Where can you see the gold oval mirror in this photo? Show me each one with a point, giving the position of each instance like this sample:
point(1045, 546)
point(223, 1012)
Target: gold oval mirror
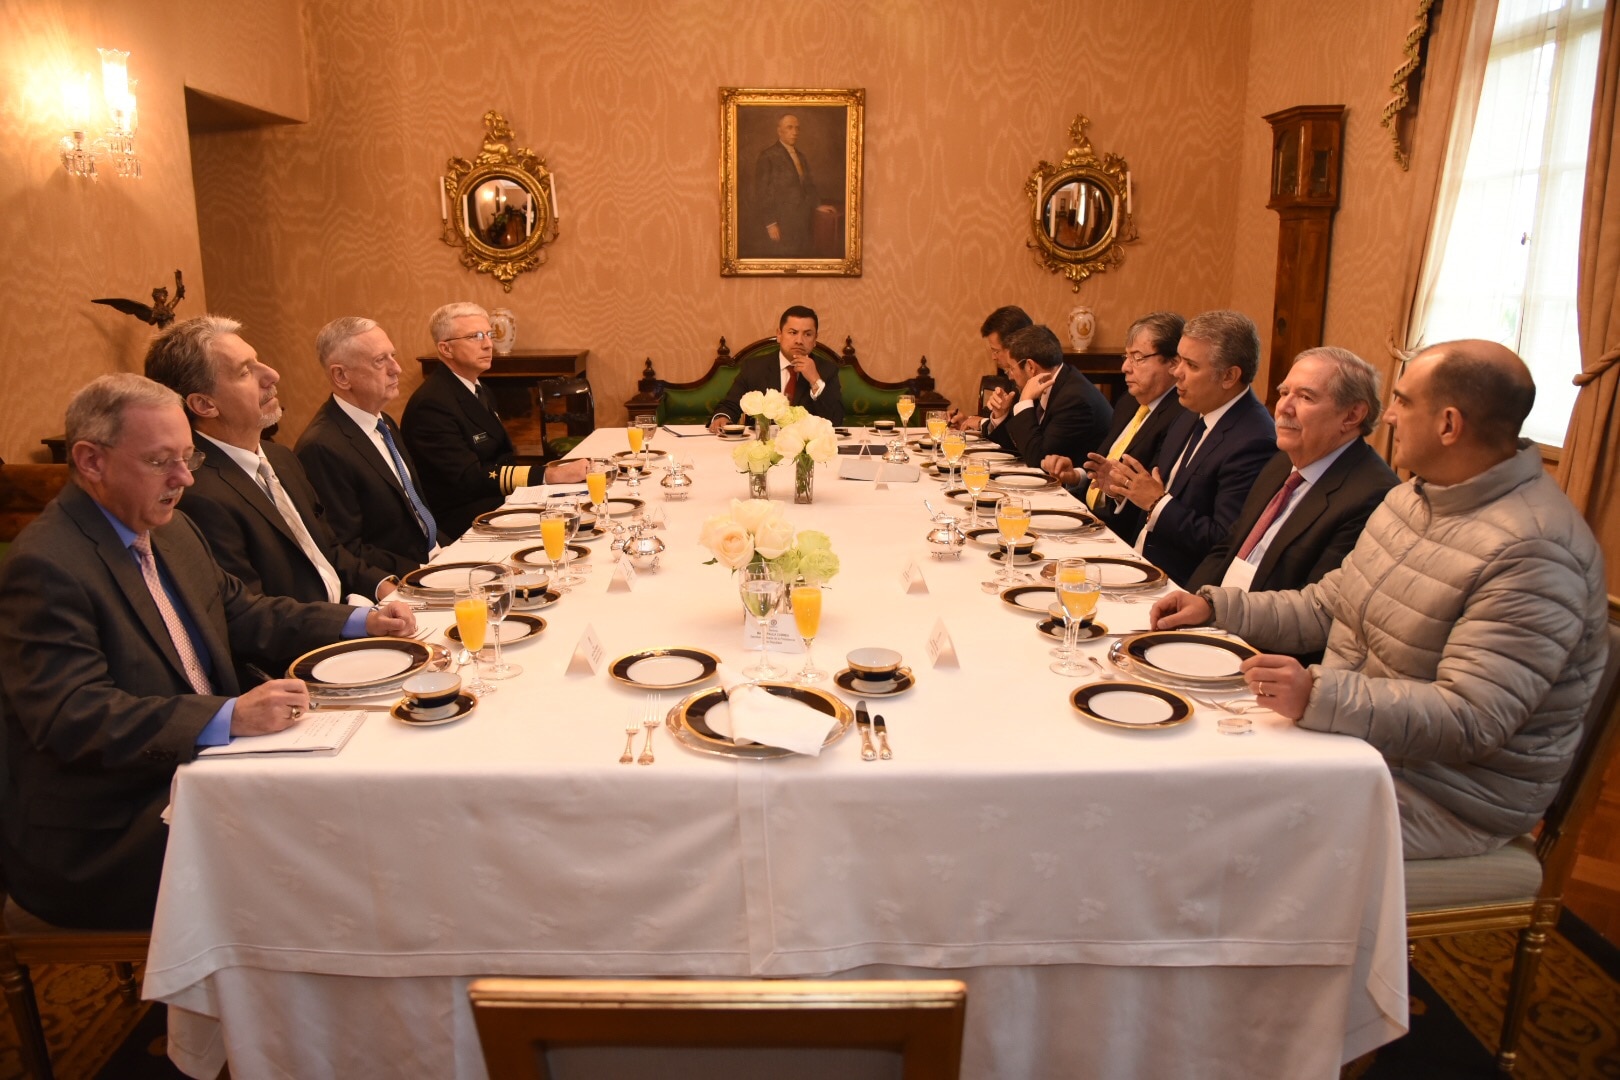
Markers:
point(500, 207)
point(1081, 209)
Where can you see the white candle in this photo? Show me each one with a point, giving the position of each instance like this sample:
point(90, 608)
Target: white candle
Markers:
point(444, 204)
point(551, 183)
point(1127, 194)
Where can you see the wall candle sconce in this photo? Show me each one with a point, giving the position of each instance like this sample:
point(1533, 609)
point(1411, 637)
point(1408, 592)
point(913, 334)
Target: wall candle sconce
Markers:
point(116, 144)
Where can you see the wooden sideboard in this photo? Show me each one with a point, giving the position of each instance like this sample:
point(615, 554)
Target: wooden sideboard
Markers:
point(537, 389)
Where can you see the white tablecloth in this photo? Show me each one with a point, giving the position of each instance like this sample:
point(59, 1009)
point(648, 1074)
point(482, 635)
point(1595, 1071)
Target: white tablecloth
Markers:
point(1147, 903)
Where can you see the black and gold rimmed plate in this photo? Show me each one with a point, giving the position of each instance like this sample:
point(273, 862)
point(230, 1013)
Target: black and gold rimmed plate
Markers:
point(532, 601)
point(987, 499)
point(688, 721)
point(524, 519)
point(373, 663)
point(536, 556)
point(990, 537)
point(444, 714)
point(1183, 656)
point(441, 580)
point(736, 437)
point(516, 628)
point(1052, 627)
point(1138, 706)
point(1020, 558)
point(664, 669)
point(620, 505)
point(1117, 574)
point(656, 459)
point(1074, 521)
point(1022, 480)
point(851, 683)
point(1030, 599)
point(991, 455)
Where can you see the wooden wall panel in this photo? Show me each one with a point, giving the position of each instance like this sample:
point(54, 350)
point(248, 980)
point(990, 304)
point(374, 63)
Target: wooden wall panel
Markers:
point(1328, 54)
point(340, 216)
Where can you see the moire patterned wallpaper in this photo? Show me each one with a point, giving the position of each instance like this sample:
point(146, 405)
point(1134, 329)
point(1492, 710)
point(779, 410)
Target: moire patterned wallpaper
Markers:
point(291, 225)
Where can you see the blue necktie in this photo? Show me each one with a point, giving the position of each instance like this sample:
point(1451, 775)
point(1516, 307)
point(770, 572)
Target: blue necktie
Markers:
point(1193, 439)
point(424, 516)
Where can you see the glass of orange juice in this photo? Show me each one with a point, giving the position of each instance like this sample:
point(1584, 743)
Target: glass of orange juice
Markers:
point(554, 535)
point(975, 476)
point(807, 619)
point(905, 406)
point(472, 624)
point(954, 445)
point(1078, 587)
point(1012, 522)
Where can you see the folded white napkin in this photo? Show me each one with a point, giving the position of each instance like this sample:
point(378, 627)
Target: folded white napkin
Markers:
point(754, 715)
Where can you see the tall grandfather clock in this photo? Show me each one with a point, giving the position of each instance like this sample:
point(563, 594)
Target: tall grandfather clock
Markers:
point(1305, 150)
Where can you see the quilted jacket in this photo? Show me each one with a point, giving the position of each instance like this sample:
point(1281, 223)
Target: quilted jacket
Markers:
point(1465, 635)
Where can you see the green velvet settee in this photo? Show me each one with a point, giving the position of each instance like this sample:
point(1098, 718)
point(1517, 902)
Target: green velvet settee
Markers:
point(865, 398)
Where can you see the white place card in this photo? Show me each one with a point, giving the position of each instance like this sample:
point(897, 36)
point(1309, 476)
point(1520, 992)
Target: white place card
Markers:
point(624, 577)
point(911, 578)
point(587, 657)
point(781, 634)
point(941, 650)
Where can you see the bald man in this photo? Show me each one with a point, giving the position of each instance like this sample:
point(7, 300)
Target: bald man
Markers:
point(1464, 633)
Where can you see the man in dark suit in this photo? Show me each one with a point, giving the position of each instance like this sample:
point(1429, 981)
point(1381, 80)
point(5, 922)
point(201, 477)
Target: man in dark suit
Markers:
point(1309, 504)
point(356, 456)
point(251, 499)
point(1141, 420)
point(465, 457)
point(117, 633)
point(807, 380)
point(1211, 456)
point(999, 326)
point(786, 195)
point(1058, 412)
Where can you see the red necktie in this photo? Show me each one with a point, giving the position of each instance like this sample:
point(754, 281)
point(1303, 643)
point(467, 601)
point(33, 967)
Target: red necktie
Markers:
point(1274, 508)
point(792, 386)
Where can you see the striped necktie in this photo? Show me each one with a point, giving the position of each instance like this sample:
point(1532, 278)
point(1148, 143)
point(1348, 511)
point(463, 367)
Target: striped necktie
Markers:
point(300, 532)
point(189, 660)
point(1118, 449)
point(424, 516)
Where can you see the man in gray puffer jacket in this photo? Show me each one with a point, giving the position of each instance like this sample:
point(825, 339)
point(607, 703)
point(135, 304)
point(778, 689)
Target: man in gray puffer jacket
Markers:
point(1464, 634)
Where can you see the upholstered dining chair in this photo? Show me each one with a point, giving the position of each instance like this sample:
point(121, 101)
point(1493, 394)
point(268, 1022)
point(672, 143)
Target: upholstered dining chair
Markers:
point(1521, 886)
point(525, 1024)
point(27, 940)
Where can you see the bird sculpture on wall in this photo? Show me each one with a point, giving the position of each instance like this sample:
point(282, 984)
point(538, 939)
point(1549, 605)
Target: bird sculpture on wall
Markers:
point(160, 312)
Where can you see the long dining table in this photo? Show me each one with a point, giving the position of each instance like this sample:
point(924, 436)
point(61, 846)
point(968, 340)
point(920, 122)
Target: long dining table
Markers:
point(1158, 903)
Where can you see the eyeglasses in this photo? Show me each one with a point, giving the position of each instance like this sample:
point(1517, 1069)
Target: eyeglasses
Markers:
point(1142, 358)
point(476, 335)
point(192, 461)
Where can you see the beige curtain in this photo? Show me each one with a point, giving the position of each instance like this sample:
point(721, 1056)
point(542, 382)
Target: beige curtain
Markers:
point(1591, 462)
point(1453, 73)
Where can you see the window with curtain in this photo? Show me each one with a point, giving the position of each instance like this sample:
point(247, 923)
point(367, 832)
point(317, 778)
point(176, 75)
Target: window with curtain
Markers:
point(1508, 272)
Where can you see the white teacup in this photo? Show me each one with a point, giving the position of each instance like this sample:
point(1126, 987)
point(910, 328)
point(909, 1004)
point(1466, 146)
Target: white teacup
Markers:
point(875, 669)
point(431, 691)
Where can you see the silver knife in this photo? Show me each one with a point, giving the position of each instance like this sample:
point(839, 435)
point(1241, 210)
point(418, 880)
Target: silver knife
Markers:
point(883, 737)
point(864, 722)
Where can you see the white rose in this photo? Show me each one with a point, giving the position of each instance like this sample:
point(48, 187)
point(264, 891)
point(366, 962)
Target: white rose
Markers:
point(752, 403)
point(749, 513)
point(712, 528)
point(773, 537)
point(822, 448)
point(789, 442)
point(739, 456)
point(773, 405)
point(732, 546)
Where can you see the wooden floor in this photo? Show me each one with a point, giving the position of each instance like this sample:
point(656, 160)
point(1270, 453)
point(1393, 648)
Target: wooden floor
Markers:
point(1593, 891)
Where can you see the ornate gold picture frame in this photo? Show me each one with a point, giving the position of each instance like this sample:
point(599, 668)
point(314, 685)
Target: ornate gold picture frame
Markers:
point(790, 182)
point(500, 207)
point(1080, 209)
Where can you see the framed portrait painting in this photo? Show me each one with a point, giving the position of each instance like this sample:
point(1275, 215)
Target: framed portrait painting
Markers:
point(790, 182)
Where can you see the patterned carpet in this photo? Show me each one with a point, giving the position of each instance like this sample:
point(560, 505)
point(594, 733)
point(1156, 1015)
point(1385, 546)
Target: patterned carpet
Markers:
point(1460, 984)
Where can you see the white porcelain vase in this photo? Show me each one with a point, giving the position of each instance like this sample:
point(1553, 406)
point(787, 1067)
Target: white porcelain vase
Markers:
point(504, 326)
point(1082, 327)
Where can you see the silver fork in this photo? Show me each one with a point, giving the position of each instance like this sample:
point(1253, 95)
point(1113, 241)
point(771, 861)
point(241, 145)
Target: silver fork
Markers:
point(630, 733)
point(1235, 707)
point(655, 705)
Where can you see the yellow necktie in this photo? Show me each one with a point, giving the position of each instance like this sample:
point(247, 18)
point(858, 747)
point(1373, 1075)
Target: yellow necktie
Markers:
point(1118, 448)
